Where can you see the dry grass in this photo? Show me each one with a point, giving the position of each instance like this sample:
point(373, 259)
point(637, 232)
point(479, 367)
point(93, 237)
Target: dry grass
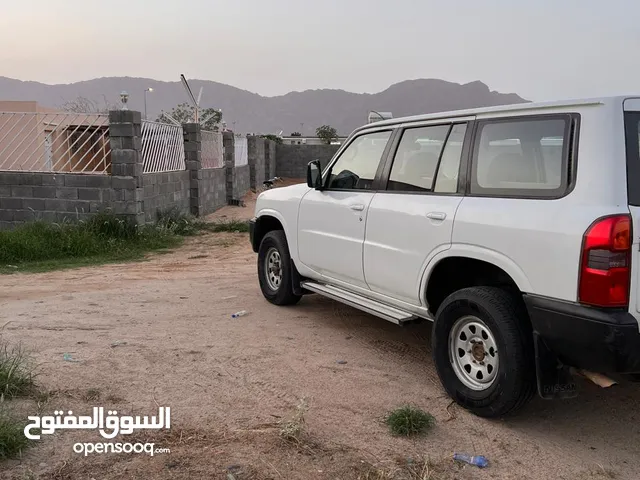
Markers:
point(292, 429)
point(425, 469)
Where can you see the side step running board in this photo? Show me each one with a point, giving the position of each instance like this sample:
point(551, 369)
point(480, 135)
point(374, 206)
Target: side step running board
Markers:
point(373, 307)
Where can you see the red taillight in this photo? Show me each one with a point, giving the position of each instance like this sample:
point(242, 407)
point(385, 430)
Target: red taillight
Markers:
point(606, 263)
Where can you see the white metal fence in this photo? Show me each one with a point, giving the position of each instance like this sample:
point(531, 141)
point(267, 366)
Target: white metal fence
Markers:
point(241, 151)
point(54, 142)
point(212, 151)
point(162, 147)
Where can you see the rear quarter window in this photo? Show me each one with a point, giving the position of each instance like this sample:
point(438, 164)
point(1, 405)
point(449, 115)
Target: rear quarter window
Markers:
point(632, 134)
point(522, 157)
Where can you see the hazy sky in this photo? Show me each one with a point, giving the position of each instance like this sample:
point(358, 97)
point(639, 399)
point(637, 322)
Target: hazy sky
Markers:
point(541, 49)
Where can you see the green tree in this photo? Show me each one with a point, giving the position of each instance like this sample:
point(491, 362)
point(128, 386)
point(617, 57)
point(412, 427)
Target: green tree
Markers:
point(327, 133)
point(271, 136)
point(210, 118)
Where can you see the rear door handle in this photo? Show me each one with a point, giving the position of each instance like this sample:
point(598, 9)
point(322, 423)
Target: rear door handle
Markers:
point(357, 208)
point(437, 215)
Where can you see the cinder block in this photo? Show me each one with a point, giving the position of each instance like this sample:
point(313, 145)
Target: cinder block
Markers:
point(68, 193)
point(44, 192)
point(120, 169)
point(136, 195)
point(48, 179)
point(192, 146)
point(121, 130)
point(5, 191)
point(90, 194)
point(191, 127)
point(125, 156)
point(126, 143)
point(8, 178)
point(98, 181)
point(123, 182)
point(149, 191)
point(11, 203)
point(131, 116)
point(56, 205)
point(24, 216)
point(33, 204)
point(127, 208)
point(31, 179)
point(21, 191)
point(79, 206)
point(115, 194)
point(75, 180)
point(6, 215)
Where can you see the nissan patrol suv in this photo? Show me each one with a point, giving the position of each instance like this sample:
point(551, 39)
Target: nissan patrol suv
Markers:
point(511, 228)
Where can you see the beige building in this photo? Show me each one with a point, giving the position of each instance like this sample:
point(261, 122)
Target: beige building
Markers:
point(37, 138)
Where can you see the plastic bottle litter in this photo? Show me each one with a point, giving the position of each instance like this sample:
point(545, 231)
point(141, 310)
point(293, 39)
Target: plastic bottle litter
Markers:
point(68, 358)
point(477, 460)
point(241, 313)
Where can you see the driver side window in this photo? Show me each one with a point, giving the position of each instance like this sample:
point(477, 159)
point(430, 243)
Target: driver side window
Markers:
point(356, 167)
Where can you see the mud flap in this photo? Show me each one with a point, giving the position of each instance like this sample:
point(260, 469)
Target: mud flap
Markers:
point(555, 380)
point(296, 281)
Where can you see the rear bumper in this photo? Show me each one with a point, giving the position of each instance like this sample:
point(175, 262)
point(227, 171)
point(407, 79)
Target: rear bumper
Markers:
point(588, 338)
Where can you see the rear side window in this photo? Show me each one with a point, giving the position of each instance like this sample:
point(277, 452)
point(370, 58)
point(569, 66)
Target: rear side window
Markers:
point(416, 160)
point(428, 159)
point(522, 157)
point(632, 131)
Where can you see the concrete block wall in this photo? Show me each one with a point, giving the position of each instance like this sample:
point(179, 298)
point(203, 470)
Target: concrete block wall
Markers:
point(269, 158)
point(125, 135)
point(52, 197)
point(57, 197)
point(165, 191)
point(213, 190)
point(256, 155)
point(128, 192)
point(238, 179)
point(292, 160)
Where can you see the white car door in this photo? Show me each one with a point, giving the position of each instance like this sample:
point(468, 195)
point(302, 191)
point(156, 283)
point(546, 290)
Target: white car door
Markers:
point(414, 215)
point(331, 221)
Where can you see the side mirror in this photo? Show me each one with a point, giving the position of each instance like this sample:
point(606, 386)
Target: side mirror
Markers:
point(314, 175)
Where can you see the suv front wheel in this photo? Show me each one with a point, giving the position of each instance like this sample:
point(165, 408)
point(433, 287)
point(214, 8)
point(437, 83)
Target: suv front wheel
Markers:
point(274, 269)
point(482, 348)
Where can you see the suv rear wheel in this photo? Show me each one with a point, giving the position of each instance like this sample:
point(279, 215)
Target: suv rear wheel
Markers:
point(483, 350)
point(274, 269)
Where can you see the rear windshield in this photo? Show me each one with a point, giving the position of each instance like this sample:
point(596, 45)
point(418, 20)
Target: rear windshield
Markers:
point(632, 130)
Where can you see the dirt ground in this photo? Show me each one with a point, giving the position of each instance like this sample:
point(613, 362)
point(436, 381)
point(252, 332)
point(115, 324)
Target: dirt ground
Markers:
point(230, 381)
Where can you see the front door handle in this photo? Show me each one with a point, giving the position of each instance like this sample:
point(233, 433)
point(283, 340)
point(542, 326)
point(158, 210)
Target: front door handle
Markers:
point(357, 208)
point(437, 215)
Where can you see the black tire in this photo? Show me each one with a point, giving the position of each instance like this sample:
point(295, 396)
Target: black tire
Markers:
point(283, 295)
point(503, 312)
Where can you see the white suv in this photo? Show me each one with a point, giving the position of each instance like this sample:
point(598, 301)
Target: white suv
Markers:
point(508, 227)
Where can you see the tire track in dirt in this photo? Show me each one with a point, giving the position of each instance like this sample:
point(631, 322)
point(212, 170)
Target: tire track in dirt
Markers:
point(410, 345)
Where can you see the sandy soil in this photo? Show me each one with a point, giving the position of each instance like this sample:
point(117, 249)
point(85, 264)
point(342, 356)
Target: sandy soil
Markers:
point(230, 381)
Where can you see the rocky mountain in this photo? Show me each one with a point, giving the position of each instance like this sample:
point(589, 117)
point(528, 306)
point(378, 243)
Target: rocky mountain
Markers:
point(255, 113)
